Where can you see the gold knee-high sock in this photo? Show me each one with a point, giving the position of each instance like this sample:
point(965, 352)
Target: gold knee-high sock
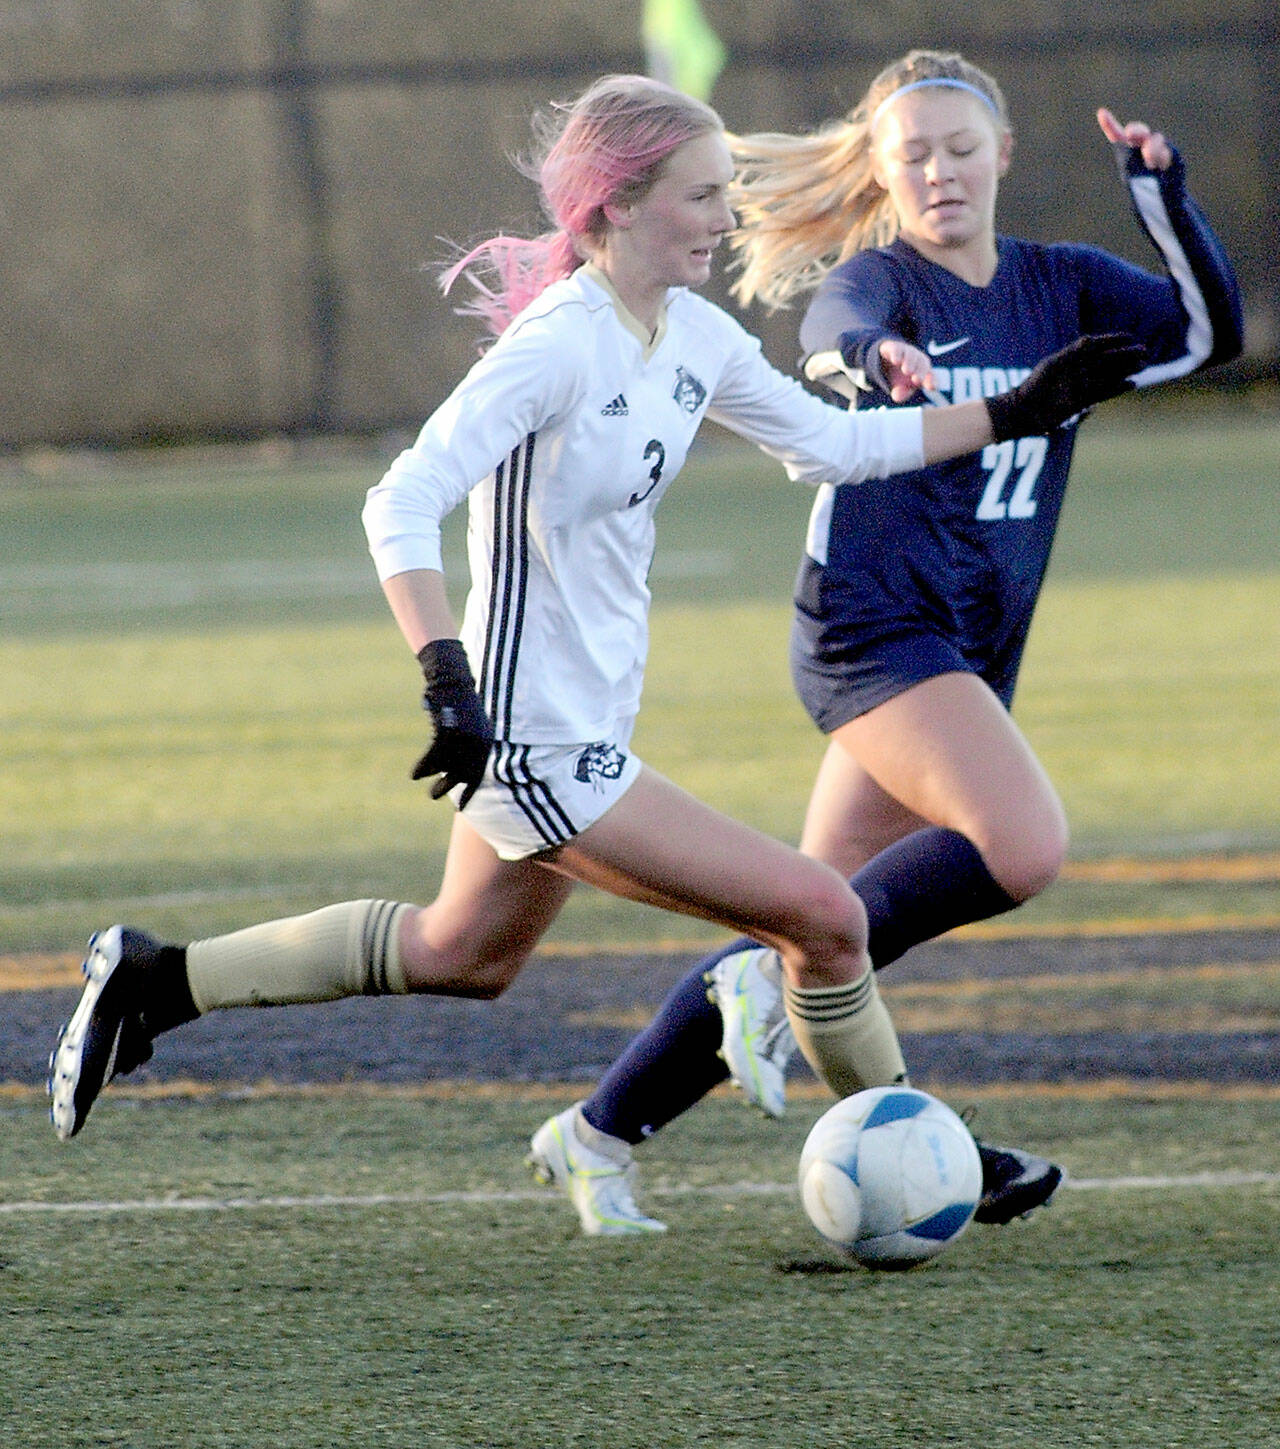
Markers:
point(846, 1034)
point(351, 949)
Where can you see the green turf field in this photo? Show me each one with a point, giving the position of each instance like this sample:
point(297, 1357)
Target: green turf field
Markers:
point(209, 718)
point(377, 1271)
point(209, 714)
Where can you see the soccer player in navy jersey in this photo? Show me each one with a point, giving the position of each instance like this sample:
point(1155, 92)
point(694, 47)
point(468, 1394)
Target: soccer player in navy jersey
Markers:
point(915, 595)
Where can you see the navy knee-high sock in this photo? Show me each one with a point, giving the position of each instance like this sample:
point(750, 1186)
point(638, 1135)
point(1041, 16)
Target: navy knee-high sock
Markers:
point(672, 1064)
point(921, 886)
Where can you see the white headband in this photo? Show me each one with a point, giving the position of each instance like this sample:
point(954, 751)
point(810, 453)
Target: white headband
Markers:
point(940, 80)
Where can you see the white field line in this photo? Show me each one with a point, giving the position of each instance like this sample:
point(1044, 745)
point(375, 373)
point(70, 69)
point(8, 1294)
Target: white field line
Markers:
point(290, 1203)
point(132, 588)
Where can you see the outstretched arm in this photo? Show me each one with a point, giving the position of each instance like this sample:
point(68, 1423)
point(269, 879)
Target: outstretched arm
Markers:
point(1086, 371)
point(1191, 317)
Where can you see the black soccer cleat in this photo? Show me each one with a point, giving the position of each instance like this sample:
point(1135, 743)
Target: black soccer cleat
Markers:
point(1014, 1183)
point(105, 1037)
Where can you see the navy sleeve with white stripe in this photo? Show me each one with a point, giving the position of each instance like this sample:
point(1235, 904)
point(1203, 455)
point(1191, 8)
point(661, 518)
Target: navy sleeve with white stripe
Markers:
point(1189, 319)
point(857, 307)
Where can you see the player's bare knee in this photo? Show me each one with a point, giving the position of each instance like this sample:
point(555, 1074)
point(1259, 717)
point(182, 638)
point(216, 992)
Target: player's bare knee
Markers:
point(486, 981)
point(475, 980)
point(829, 921)
point(1026, 865)
point(458, 963)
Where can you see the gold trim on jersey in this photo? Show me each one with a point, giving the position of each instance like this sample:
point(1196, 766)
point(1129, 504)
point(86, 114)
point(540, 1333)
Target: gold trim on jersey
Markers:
point(628, 318)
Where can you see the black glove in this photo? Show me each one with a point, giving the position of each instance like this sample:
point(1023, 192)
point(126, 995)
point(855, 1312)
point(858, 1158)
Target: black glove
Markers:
point(1086, 371)
point(464, 736)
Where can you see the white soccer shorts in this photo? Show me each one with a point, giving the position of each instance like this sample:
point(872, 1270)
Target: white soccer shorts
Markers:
point(535, 797)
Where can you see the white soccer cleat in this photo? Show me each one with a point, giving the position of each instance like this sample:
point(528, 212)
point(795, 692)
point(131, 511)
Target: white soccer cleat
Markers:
point(599, 1186)
point(758, 1042)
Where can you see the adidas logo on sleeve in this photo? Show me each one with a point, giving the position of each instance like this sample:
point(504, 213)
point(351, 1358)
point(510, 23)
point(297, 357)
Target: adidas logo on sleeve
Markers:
point(616, 409)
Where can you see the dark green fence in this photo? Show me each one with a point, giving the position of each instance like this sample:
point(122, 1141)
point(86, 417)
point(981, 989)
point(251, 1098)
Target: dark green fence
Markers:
point(221, 219)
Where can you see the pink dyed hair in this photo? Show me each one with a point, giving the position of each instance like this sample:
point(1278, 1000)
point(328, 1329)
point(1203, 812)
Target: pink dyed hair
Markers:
point(608, 146)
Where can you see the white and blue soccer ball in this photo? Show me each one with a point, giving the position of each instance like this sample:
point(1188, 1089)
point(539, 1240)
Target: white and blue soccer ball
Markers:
point(890, 1177)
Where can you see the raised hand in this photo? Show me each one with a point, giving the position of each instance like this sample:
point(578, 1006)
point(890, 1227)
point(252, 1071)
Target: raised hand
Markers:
point(1157, 154)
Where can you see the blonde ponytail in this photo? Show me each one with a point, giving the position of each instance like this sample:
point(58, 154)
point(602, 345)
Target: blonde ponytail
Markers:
point(807, 203)
point(804, 203)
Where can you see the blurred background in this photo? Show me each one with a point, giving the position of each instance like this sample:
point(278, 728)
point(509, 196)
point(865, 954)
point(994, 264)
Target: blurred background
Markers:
point(222, 218)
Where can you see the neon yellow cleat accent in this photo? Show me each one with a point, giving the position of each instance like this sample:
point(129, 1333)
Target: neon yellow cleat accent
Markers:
point(599, 1185)
point(758, 1042)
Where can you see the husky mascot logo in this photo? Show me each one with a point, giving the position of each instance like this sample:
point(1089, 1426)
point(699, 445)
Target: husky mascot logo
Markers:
point(599, 762)
point(689, 392)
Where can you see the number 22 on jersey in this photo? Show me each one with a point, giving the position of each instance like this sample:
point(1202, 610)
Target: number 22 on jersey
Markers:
point(1017, 461)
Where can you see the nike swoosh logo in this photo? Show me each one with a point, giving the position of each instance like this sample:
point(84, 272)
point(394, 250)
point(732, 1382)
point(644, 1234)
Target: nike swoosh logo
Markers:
point(940, 349)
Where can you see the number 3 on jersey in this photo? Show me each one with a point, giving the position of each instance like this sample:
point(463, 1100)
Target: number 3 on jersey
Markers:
point(1026, 455)
point(654, 450)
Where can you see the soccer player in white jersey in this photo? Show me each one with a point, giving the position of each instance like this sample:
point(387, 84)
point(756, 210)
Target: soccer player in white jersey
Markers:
point(563, 438)
point(915, 596)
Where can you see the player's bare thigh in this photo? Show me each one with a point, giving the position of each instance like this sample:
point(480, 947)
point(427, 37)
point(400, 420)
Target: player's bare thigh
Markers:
point(660, 845)
point(850, 819)
point(949, 751)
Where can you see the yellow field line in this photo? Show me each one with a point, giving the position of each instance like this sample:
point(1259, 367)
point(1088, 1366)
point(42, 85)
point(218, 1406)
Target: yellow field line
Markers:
point(1216, 869)
point(1025, 1003)
point(983, 931)
point(39, 970)
point(939, 1017)
point(1216, 971)
point(1120, 926)
point(1009, 989)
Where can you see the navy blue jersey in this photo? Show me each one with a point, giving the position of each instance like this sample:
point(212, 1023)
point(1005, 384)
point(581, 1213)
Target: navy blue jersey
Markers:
point(958, 550)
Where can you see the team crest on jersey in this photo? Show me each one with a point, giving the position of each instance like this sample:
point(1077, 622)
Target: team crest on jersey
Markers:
point(601, 761)
point(689, 392)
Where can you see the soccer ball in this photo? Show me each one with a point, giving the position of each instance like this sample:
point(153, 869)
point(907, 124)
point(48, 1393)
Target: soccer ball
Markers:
point(890, 1176)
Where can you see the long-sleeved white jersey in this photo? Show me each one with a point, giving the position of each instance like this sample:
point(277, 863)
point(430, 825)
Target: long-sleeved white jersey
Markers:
point(565, 435)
